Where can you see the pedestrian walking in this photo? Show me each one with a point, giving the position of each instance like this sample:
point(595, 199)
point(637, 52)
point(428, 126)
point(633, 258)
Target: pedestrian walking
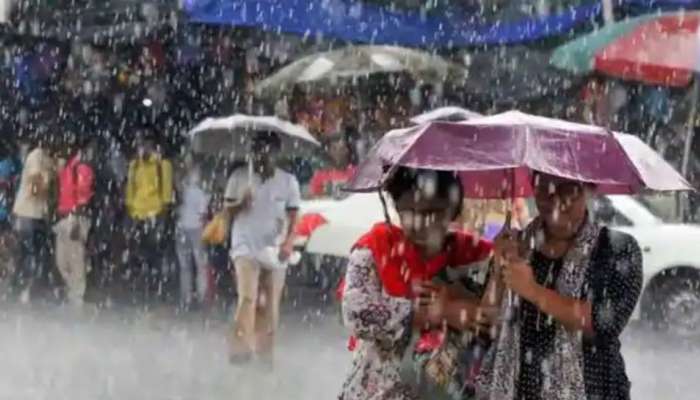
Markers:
point(263, 203)
point(9, 179)
point(578, 288)
point(192, 213)
point(76, 184)
point(31, 212)
point(149, 196)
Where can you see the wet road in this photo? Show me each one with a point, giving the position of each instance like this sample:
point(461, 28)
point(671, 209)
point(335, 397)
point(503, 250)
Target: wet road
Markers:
point(52, 353)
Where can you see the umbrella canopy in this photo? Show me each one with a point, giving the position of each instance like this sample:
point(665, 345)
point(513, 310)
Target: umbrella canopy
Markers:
point(337, 234)
point(496, 155)
point(230, 135)
point(359, 61)
point(660, 49)
point(654, 170)
point(449, 113)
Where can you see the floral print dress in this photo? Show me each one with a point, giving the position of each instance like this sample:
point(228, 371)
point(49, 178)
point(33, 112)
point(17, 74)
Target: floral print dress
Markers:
point(383, 326)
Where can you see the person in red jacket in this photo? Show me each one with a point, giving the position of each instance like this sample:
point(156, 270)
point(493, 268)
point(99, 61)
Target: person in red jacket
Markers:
point(76, 182)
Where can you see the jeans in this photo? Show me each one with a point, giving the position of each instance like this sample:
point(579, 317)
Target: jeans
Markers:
point(192, 258)
point(147, 252)
point(34, 252)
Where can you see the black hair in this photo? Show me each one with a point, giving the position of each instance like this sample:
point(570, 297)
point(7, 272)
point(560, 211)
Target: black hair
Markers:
point(406, 179)
point(269, 138)
point(536, 176)
point(86, 141)
point(146, 133)
point(349, 136)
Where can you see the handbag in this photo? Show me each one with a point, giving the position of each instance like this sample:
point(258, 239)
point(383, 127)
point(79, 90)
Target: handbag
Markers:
point(216, 230)
point(451, 367)
point(450, 370)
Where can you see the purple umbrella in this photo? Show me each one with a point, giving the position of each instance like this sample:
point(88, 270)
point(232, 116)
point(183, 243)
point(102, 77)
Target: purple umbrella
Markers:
point(495, 156)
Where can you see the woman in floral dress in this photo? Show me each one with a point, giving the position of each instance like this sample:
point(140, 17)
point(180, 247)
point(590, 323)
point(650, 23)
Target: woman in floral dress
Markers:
point(388, 294)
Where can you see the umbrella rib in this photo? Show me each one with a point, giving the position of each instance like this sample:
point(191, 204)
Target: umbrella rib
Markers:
point(410, 146)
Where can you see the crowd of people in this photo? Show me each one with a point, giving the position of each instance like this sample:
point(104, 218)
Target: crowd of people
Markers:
point(105, 225)
point(81, 206)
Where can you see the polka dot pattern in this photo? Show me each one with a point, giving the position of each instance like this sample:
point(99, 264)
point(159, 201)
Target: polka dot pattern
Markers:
point(613, 285)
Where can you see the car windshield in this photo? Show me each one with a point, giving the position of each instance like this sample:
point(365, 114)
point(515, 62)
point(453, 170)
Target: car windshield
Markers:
point(661, 205)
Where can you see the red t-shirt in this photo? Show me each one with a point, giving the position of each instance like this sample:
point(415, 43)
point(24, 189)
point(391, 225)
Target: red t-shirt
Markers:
point(75, 186)
point(326, 182)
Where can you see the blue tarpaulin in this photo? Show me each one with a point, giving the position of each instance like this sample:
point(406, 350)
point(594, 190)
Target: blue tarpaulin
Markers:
point(367, 23)
point(666, 5)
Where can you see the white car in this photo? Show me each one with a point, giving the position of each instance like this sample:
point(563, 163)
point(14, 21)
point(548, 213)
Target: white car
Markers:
point(671, 252)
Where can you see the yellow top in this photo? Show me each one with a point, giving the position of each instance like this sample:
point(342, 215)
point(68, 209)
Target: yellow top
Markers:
point(149, 189)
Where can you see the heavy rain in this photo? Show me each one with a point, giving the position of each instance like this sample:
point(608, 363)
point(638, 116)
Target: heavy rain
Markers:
point(352, 199)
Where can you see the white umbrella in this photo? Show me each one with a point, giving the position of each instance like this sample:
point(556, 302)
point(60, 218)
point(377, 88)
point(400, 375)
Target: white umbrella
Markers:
point(231, 135)
point(654, 170)
point(449, 113)
point(357, 61)
point(346, 221)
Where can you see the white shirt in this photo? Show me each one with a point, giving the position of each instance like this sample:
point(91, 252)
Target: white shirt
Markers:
point(29, 204)
point(194, 203)
point(259, 231)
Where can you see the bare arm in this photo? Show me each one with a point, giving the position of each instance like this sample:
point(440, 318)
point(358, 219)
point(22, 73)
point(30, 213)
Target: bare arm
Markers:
point(614, 299)
point(439, 305)
point(231, 210)
point(574, 314)
point(370, 313)
point(292, 217)
point(462, 314)
point(235, 199)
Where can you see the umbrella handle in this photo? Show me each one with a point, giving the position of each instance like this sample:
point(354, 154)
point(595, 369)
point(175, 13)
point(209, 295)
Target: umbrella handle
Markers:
point(251, 173)
point(508, 223)
point(510, 296)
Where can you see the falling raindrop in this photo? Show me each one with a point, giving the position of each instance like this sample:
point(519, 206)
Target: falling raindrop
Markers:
point(24, 296)
point(463, 317)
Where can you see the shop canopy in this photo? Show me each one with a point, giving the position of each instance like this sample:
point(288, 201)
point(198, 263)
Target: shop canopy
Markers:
point(373, 21)
point(365, 22)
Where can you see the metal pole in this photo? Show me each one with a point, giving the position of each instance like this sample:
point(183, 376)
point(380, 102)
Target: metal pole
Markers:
point(5, 9)
point(608, 12)
point(687, 148)
point(690, 127)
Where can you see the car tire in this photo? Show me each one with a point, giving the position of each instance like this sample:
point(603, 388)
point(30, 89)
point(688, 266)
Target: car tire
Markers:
point(330, 273)
point(674, 306)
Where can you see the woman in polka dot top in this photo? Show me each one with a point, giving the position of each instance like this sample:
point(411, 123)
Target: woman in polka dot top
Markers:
point(567, 296)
